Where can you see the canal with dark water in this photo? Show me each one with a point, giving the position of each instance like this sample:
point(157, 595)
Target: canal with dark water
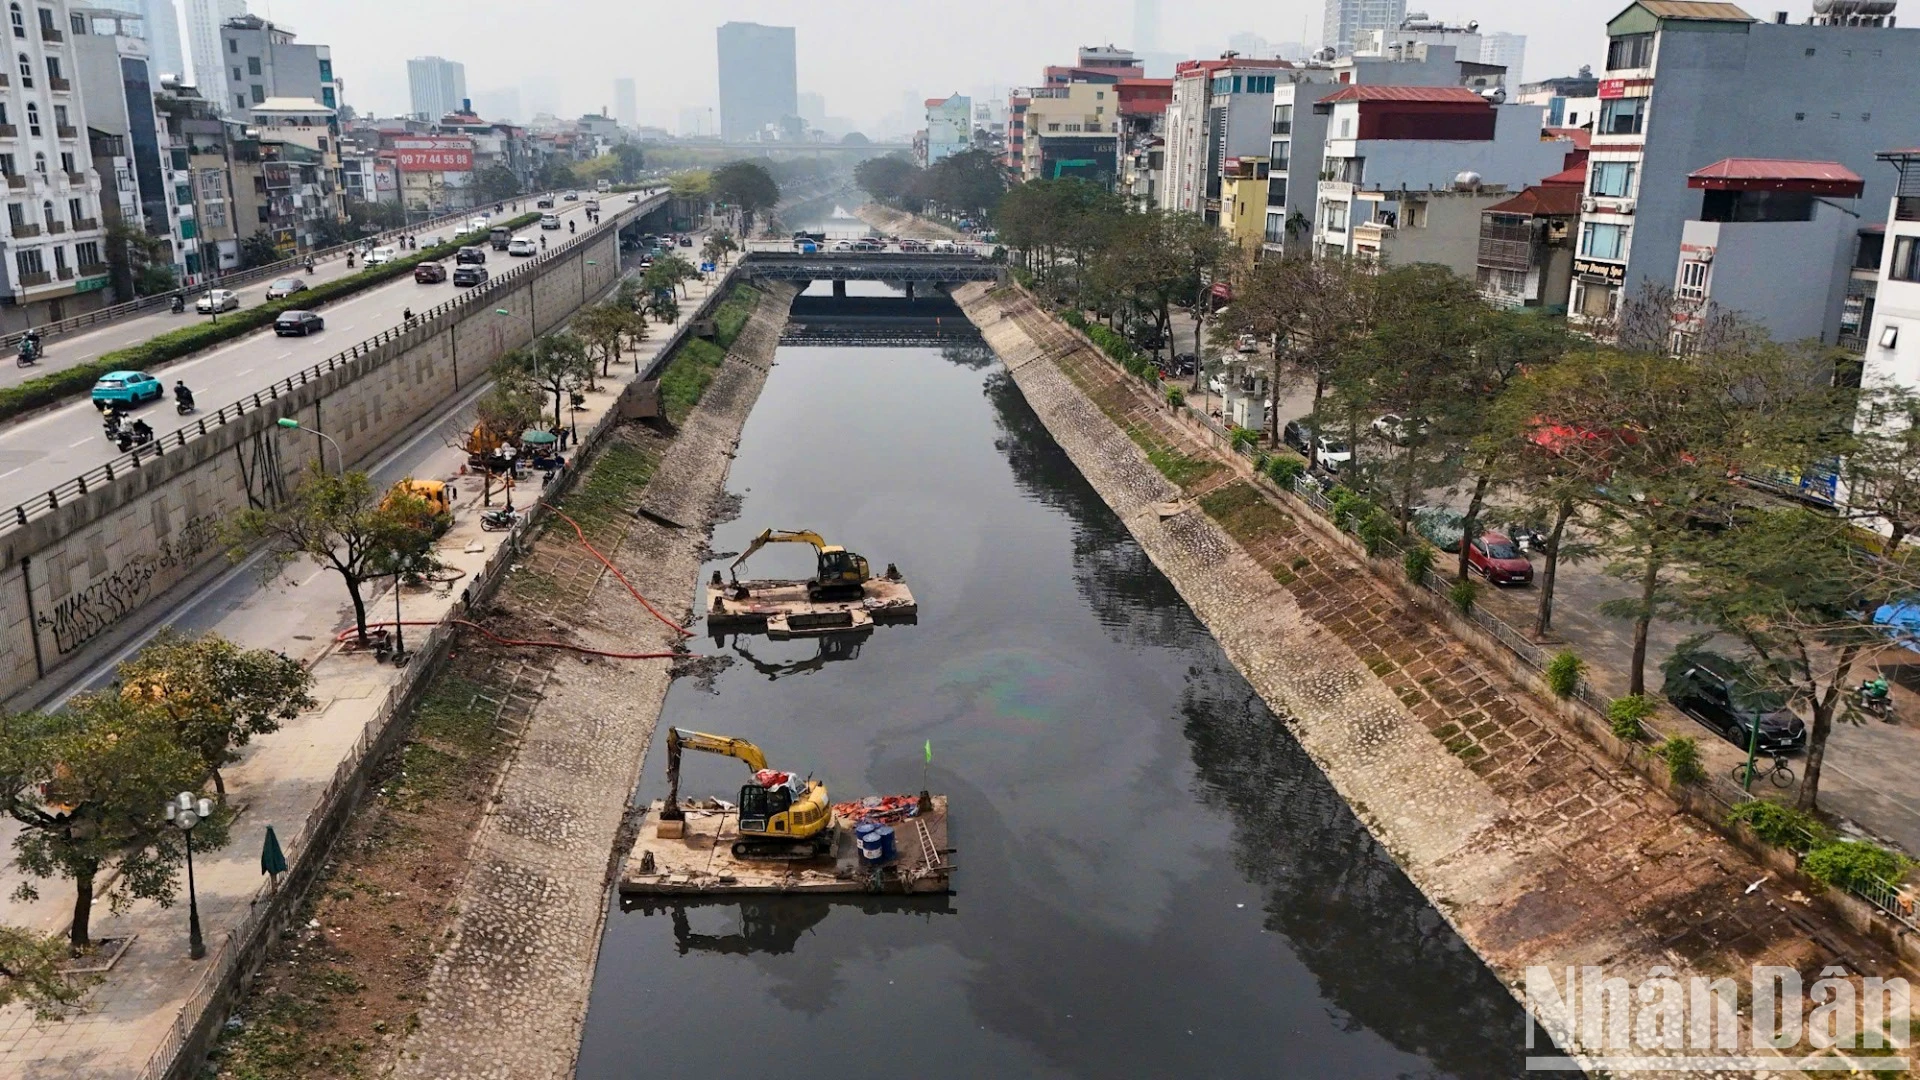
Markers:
point(1154, 880)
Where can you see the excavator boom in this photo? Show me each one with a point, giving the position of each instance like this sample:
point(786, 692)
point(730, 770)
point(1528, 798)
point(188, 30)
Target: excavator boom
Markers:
point(711, 744)
point(777, 536)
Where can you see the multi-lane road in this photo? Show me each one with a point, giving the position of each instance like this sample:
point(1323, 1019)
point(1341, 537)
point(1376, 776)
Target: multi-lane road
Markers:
point(41, 451)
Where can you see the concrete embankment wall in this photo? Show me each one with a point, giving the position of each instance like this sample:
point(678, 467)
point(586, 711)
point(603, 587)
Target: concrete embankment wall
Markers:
point(73, 577)
point(1536, 848)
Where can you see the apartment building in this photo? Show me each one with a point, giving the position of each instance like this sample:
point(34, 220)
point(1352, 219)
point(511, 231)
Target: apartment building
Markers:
point(1890, 351)
point(289, 161)
point(117, 83)
point(1690, 83)
point(55, 264)
point(949, 127)
point(263, 61)
point(1219, 109)
point(1072, 130)
point(1298, 138)
point(1243, 201)
point(1525, 257)
point(436, 86)
point(1411, 158)
point(1344, 21)
point(204, 19)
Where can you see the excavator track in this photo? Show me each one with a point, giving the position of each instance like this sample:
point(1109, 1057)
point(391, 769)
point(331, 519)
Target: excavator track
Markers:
point(779, 850)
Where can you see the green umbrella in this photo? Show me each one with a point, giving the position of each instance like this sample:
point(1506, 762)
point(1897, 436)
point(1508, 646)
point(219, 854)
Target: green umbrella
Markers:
point(272, 859)
point(536, 437)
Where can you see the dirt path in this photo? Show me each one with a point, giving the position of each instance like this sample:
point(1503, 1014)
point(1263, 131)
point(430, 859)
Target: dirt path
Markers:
point(1535, 847)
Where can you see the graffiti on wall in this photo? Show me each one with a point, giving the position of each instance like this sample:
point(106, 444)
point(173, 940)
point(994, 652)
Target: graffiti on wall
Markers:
point(91, 611)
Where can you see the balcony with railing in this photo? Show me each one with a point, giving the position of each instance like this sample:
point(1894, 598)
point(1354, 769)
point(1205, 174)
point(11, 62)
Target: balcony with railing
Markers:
point(66, 131)
point(93, 269)
point(77, 179)
point(66, 273)
point(57, 83)
point(49, 33)
point(56, 227)
point(31, 278)
point(24, 232)
point(85, 224)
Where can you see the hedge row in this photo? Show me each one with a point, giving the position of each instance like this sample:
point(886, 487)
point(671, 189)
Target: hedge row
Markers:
point(73, 381)
point(1115, 345)
point(732, 314)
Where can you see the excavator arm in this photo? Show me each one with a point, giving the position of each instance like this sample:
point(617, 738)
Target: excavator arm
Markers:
point(777, 536)
point(723, 745)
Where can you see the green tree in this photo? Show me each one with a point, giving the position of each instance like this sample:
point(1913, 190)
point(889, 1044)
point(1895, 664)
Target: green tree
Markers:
point(258, 250)
point(216, 695)
point(555, 174)
point(669, 272)
point(633, 161)
point(139, 263)
point(747, 186)
point(508, 408)
point(887, 178)
point(558, 364)
point(87, 787)
point(604, 328)
point(1797, 591)
point(340, 522)
point(30, 973)
point(663, 307)
point(690, 184)
point(1882, 463)
point(496, 183)
point(971, 183)
point(1511, 344)
point(372, 217)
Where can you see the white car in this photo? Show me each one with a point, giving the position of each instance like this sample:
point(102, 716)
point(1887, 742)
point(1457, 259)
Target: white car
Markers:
point(382, 255)
point(523, 245)
point(477, 222)
point(217, 300)
point(549, 221)
point(1396, 429)
point(1248, 343)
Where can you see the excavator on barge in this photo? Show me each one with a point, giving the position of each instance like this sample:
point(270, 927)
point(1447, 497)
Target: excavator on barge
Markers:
point(782, 817)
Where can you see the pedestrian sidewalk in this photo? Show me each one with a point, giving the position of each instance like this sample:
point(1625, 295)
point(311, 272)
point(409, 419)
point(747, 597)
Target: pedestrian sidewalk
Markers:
point(133, 1013)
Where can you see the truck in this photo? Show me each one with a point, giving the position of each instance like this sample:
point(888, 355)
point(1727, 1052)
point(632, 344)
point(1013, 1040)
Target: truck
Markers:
point(501, 236)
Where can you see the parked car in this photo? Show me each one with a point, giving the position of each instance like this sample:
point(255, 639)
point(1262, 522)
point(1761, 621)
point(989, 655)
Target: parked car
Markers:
point(1725, 695)
point(469, 275)
point(217, 300)
point(126, 388)
point(472, 253)
point(388, 254)
point(1247, 343)
point(297, 324)
point(549, 221)
point(285, 287)
point(429, 273)
point(1441, 526)
point(1148, 337)
point(1398, 430)
point(545, 202)
point(1500, 560)
point(1333, 454)
point(523, 245)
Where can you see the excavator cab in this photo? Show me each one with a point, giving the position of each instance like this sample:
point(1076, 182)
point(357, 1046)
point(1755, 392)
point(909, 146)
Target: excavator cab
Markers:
point(840, 570)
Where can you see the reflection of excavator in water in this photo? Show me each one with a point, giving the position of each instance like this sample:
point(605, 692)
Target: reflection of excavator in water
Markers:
point(779, 821)
point(766, 926)
point(841, 573)
point(833, 647)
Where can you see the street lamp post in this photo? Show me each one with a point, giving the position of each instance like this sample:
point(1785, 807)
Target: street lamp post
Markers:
point(183, 811)
point(293, 424)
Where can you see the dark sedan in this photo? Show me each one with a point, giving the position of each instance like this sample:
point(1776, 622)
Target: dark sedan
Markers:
point(470, 275)
point(297, 324)
point(429, 273)
point(1724, 695)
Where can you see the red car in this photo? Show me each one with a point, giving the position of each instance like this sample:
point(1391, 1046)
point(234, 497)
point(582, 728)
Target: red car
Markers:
point(1500, 560)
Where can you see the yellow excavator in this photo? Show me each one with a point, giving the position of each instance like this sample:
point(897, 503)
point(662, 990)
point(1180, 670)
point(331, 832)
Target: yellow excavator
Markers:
point(775, 822)
point(840, 573)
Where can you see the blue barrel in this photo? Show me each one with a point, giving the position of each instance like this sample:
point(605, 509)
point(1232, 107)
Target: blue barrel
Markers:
point(870, 848)
point(864, 830)
point(885, 835)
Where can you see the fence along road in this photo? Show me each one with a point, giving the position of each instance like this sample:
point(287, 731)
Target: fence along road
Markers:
point(56, 457)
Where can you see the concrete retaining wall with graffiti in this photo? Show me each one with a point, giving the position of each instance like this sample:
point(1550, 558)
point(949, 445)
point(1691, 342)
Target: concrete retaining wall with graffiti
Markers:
point(72, 581)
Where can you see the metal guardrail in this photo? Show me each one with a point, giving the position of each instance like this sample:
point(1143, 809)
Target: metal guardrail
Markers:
point(269, 903)
point(50, 500)
point(240, 278)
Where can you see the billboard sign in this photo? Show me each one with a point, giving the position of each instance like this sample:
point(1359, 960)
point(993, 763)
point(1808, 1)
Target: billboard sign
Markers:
point(437, 154)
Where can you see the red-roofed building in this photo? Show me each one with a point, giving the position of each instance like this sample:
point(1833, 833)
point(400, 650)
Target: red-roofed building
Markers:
point(949, 127)
point(1773, 238)
point(1407, 170)
point(1220, 109)
point(1526, 248)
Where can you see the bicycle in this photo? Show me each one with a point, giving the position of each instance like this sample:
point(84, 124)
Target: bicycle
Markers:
point(1778, 772)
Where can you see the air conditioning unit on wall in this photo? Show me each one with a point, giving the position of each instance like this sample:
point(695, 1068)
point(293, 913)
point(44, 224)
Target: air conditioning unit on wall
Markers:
point(1588, 206)
point(1626, 206)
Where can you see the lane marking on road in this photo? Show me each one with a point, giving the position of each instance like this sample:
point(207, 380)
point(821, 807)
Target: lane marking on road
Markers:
point(10, 472)
point(82, 442)
point(284, 355)
point(242, 371)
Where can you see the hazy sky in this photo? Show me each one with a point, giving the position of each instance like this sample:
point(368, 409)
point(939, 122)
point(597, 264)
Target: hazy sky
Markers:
point(867, 57)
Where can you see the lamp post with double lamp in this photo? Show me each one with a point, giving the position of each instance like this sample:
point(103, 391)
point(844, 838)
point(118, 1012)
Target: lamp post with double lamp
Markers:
point(292, 424)
point(183, 812)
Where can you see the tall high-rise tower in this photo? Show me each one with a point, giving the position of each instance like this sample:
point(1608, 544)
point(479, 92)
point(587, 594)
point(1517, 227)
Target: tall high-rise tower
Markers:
point(203, 37)
point(626, 103)
point(435, 86)
point(1345, 19)
point(758, 80)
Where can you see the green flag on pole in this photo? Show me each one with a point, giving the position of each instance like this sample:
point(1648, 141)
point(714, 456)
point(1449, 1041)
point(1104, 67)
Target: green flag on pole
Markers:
point(929, 751)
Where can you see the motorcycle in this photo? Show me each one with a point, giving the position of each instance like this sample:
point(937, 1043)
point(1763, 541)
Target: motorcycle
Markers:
point(29, 354)
point(498, 520)
point(137, 435)
point(184, 407)
point(179, 305)
point(1876, 698)
point(1526, 537)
